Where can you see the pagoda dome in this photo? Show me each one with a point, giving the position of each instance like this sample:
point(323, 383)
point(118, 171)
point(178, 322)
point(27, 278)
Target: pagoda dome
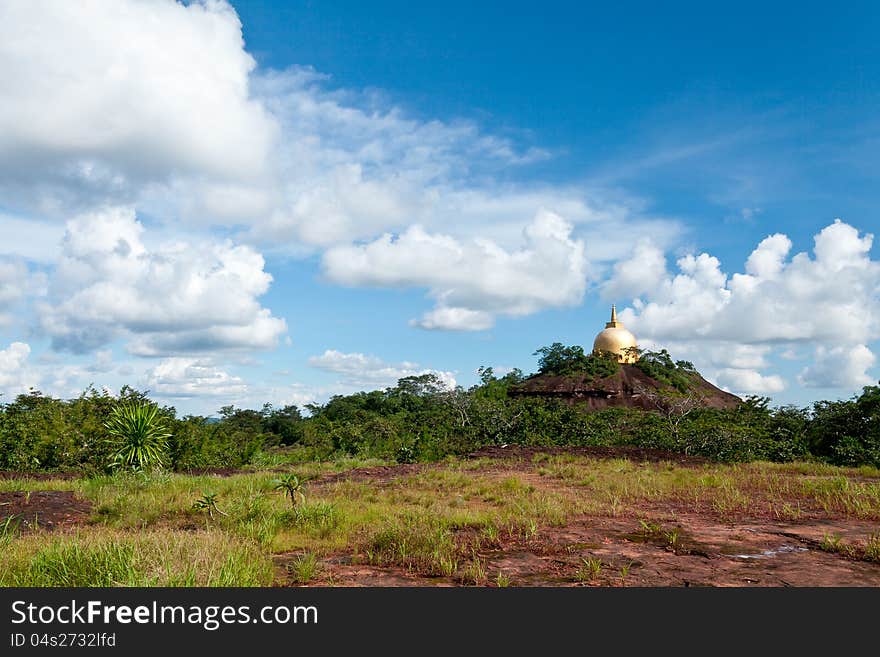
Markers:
point(616, 339)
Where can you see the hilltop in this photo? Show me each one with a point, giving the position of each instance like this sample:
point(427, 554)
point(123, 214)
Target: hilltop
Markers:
point(636, 378)
point(628, 387)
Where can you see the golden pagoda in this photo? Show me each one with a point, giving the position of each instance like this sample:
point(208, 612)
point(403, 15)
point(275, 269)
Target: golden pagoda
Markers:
point(616, 339)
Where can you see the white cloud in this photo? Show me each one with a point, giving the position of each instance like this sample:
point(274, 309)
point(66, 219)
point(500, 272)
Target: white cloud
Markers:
point(454, 319)
point(768, 260)
point(362, 370)
point(15, 376)
point(471, 281)
point(839, 367)
point(192, 377)
point(164, 110)
point(717, 354)
point(350, 166)
point(749, 382)
point(829, 300)
point(829, 297)
point(176, 298)
point(102, 97)
point(640, 273)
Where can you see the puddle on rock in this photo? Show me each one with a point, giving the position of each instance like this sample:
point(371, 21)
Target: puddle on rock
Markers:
point(785, 549)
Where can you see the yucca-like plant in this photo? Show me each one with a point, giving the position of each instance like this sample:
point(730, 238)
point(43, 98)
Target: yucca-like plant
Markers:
point(139, 436)
point(292, 487)
point(208, 503)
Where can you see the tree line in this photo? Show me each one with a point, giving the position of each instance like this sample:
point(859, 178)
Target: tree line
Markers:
point(419, 419)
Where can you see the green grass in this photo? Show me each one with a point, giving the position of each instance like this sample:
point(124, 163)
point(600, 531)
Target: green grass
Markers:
point(33, 484)
point(473, 572)
point(304, 568)
point(870, 551)
point(112, 558)
point(589, 569)
point(502, 580)
point(786, 490)
point(419, 542)
point(9, 529)
point(145, 531)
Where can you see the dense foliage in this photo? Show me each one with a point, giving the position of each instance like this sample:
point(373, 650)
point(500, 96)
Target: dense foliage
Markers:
point(559, 359)
point(660, 366)
point(420, 420)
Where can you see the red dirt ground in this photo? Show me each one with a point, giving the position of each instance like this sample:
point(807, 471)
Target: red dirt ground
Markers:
point(49, 509)
point(748, 548)
point(778, 554)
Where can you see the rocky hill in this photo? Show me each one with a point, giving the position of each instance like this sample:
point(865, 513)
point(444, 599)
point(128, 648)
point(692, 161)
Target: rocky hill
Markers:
point(629, 387)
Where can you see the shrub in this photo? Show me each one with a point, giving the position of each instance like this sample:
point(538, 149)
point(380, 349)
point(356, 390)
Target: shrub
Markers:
point(139, 435)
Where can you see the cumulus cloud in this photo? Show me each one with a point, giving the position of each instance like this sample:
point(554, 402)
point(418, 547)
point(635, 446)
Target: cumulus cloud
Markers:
point(839, 367)
point(717, 354)
point(471, 281)
point(730, 365)
point(15, 376)
point(831, 296)
point(637, 274)
point(192, 377)
point(749, 382)
point(362, 370)
point(100, 98)
point(829, 299)
point(455, 319)
point(176, 298)
point(165, 110)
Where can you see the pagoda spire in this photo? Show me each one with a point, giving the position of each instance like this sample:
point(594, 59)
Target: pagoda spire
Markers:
point(613, 323)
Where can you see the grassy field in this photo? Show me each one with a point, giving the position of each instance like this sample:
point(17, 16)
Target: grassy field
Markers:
point(454, 521)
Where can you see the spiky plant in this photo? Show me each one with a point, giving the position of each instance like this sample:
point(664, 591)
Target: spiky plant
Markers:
point(138, 434)
point(208, 502)
point(292, 487)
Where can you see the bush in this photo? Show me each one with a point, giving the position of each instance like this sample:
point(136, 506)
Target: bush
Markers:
point(138, 435)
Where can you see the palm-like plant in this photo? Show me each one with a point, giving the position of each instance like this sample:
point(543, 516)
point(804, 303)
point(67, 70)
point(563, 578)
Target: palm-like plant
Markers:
point(208, 502)
point(139, 435)
point(292, 487)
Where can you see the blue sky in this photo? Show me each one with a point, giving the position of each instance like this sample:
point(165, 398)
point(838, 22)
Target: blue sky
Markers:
point(280, 201)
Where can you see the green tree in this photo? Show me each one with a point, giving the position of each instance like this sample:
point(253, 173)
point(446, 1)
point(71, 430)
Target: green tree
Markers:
point(557, 359)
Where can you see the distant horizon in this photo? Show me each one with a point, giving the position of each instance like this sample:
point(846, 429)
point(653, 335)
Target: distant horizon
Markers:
point(215, 414)
point(232, 203)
